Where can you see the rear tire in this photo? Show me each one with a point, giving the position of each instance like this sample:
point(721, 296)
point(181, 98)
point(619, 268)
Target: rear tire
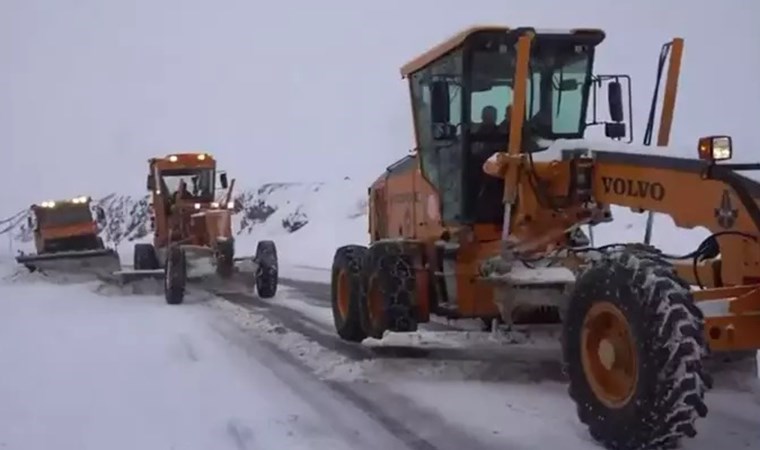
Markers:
point(347, 292)
point(145, 257)
point(175, 276)
point(659, 385)
point(391, 283)
point(267, 272)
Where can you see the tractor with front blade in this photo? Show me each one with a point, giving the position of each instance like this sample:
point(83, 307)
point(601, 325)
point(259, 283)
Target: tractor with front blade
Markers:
point(193, 229)
point(66, 239)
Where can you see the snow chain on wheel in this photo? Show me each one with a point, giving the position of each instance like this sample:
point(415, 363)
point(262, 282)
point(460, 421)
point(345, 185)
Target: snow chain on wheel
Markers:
point(390, 279)
point(175, 276)
point(347, 292)
point(267, 272)
point(633, 343)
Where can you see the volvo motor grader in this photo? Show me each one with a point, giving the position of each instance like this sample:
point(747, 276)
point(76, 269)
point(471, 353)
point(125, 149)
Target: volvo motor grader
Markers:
point(483, 220)
point(66, 239)
point(193, 229)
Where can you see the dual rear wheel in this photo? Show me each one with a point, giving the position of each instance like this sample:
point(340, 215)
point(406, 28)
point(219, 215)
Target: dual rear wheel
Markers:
point(373, 290)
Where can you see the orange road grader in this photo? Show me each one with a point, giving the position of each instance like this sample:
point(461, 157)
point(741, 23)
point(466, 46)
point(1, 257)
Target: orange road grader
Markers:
point(66, 239)
point(484, 220)
point(193, 230)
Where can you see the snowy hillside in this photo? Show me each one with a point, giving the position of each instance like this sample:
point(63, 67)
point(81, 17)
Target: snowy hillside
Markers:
point(306, 220)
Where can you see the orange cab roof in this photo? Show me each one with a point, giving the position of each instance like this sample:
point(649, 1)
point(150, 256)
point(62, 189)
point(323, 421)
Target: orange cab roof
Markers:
point(456, 40)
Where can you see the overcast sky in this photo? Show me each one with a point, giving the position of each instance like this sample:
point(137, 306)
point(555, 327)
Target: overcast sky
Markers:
point(304, 90)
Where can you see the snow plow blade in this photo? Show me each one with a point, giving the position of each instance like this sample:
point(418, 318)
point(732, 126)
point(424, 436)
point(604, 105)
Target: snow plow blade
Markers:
point(102, 263)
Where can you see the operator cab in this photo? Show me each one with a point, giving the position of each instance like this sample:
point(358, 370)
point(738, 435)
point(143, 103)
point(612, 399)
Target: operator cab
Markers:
point(186, 177)
point(462, 95)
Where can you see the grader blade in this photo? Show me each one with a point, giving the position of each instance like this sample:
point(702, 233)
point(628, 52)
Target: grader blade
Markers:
point(101, 263)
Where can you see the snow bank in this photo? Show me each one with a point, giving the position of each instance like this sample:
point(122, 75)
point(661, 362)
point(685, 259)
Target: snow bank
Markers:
point(335, 215)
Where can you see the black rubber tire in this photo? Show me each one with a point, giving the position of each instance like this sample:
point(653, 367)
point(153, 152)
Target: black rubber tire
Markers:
point(99, 245)
point(349, 259)
point(225, 255)
point(267, 272)
point(145, 257)
point(175, 276)
point(670, 346)
point(393, 268)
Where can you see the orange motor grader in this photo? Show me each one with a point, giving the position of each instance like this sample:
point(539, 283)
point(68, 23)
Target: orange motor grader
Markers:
point(192, 227)
point(66, 239)
point(483, 220)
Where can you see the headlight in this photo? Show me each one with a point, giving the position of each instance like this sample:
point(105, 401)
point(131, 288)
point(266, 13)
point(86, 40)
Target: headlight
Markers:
point(214, 204)
point(197, 206)
point(173, 158)
point(48, 204)
point(201, 157)
point(721, 149)
point(715, 148)
point(230, 205)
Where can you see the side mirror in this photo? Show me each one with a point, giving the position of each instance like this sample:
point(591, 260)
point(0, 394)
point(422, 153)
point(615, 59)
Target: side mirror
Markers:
point(619, 126)
point(440, 103)
point(223, 180)
point(29, 222)
point(615, 99)
point(151, 183)
point(715, 148)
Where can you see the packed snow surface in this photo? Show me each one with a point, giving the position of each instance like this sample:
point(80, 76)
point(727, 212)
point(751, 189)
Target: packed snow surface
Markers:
point(85, 371)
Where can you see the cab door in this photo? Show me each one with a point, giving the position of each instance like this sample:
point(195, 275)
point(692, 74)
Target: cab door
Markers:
point(439, 137)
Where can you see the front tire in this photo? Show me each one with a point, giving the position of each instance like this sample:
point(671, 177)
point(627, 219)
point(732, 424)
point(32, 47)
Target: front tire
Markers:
point(633, 343)
point(175, 276)
point(225, 256)
point(145, 257)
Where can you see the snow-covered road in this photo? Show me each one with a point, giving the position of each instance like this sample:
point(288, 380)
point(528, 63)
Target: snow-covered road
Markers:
point(83, 367)
point(84, 371)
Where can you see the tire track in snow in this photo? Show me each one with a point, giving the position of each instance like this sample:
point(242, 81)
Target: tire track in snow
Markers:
point(737, 365)
point(416, 427)
point(301, 323)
